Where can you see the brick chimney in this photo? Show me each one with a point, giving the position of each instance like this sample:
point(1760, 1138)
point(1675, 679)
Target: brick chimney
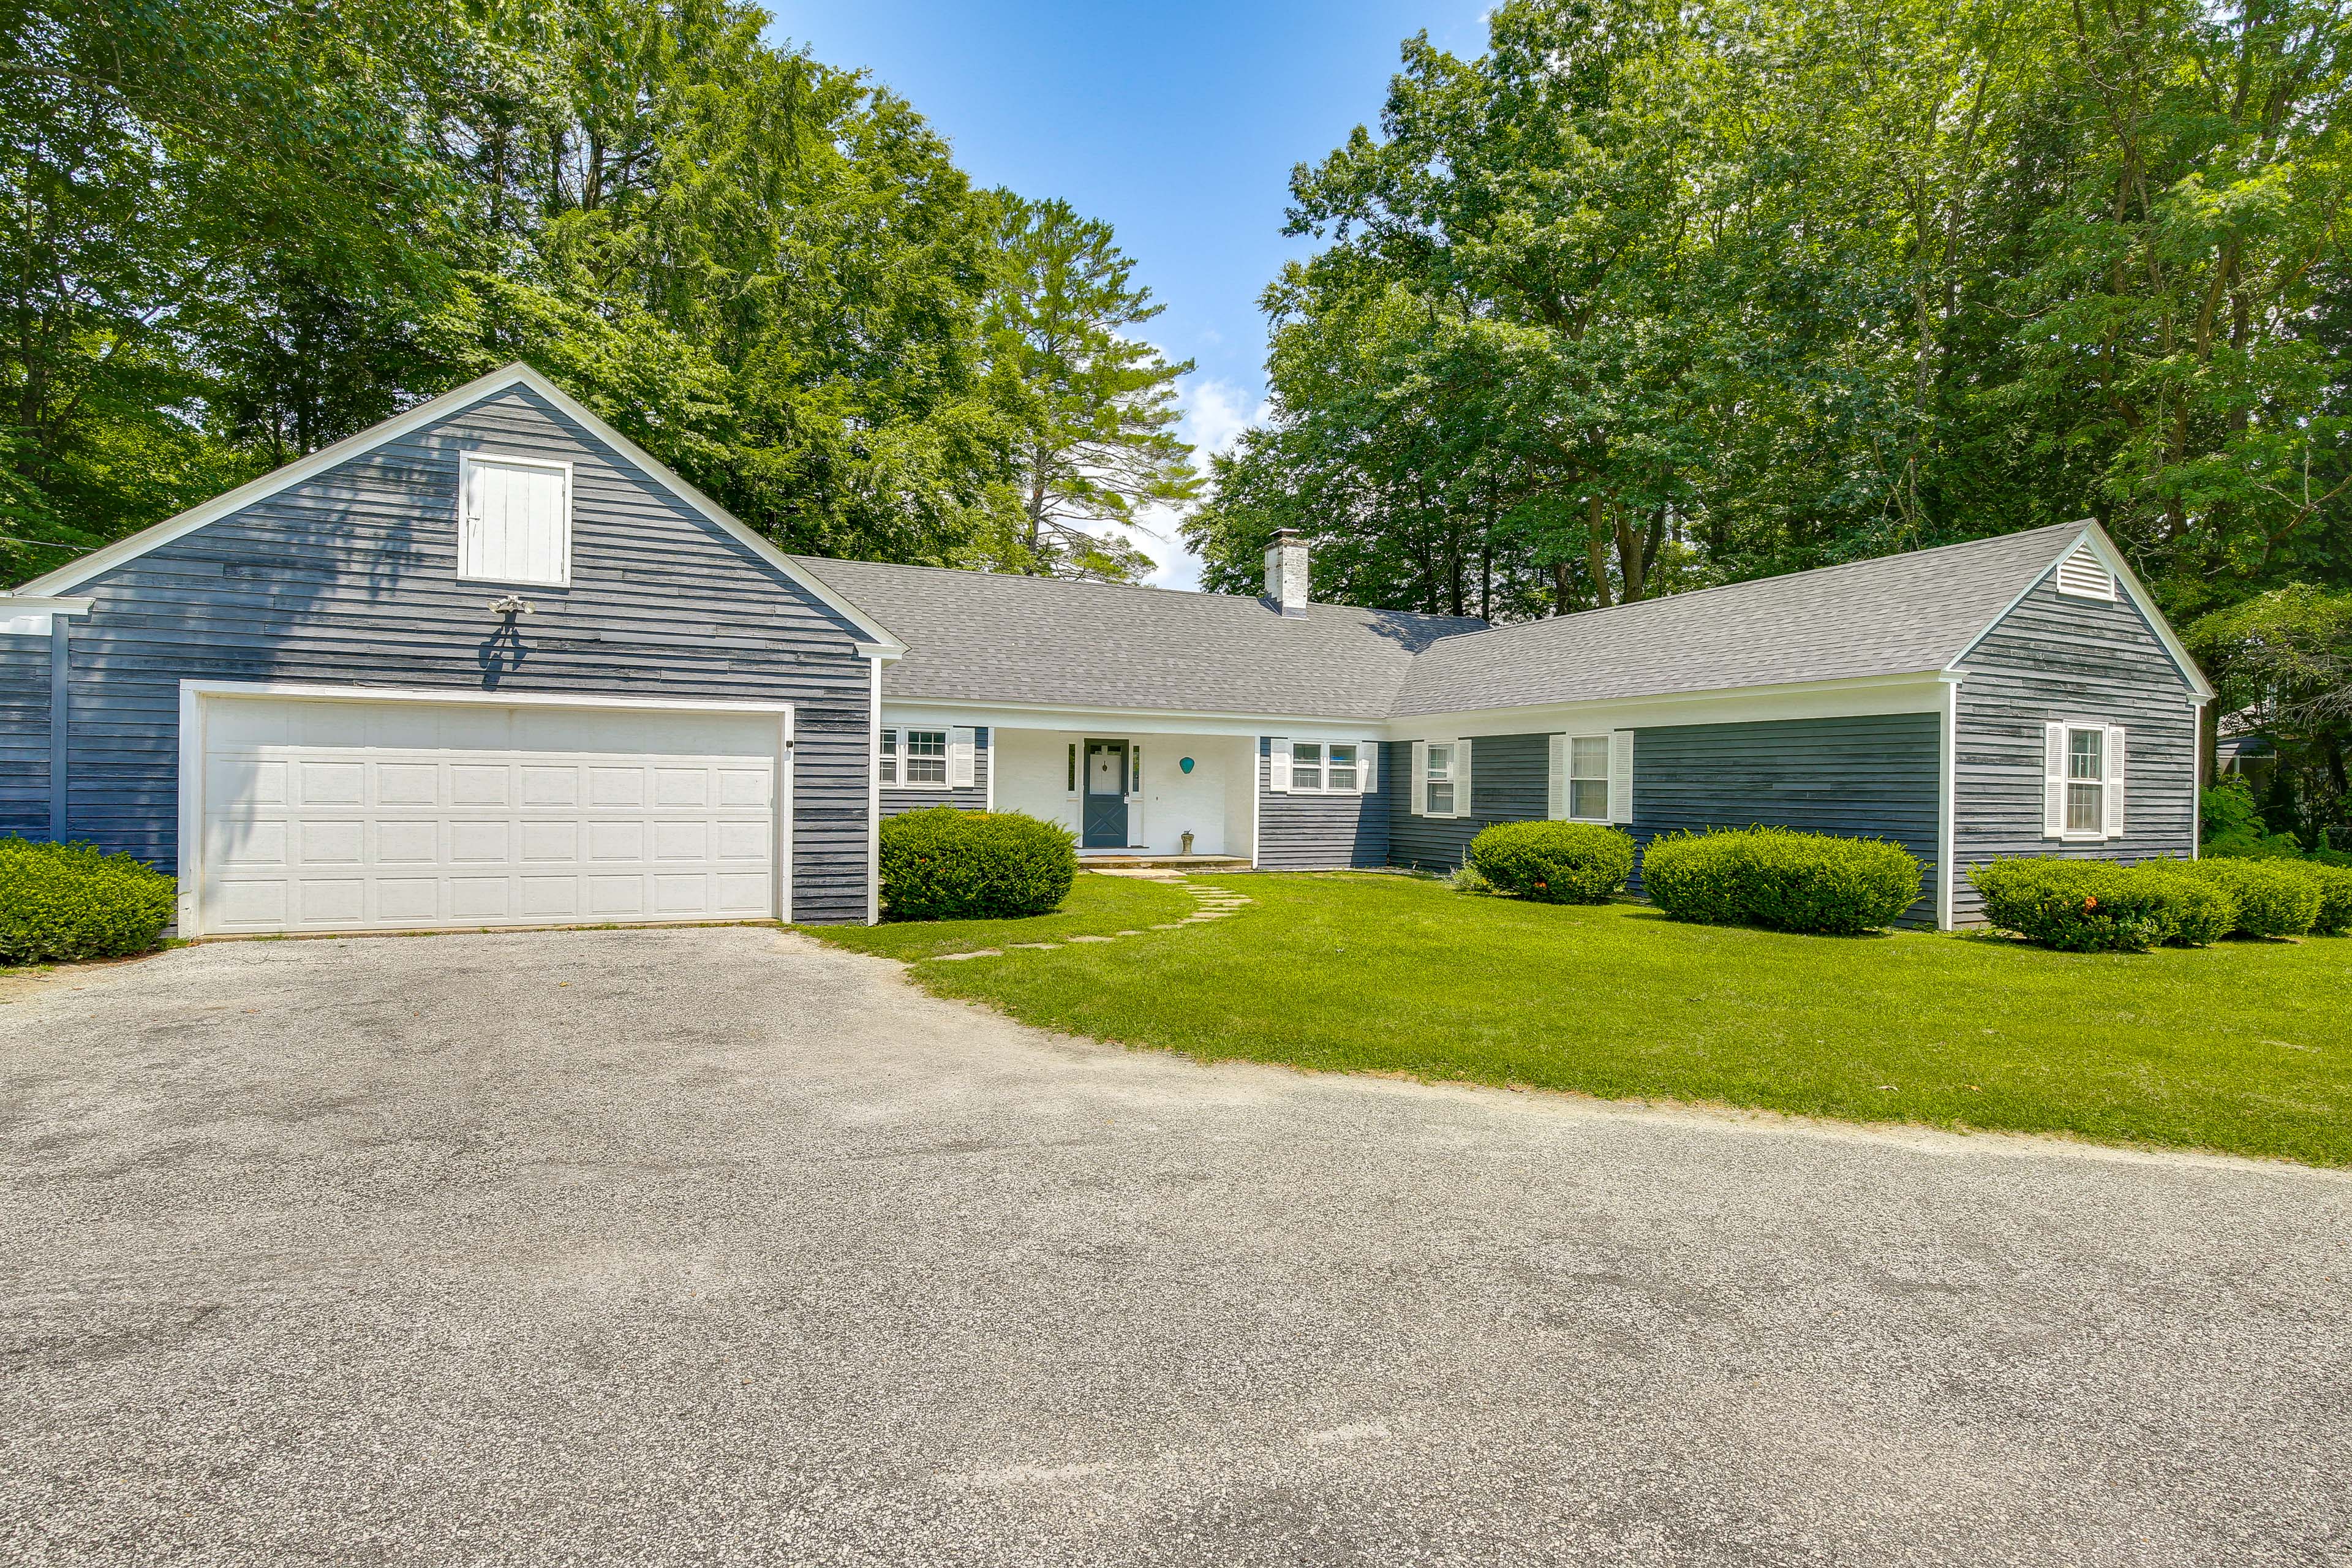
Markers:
point(1285, 572)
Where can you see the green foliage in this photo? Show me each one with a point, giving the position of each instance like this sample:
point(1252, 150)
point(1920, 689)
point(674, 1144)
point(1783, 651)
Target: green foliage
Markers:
point(1646, 296)
point(2198, 912)
point(237, 234)
point(945, 864)
point(1100, 401)
point(60, 902)
point(2275, 898)
point(1553, 862)
point(2079, 906)
point(2283, 660)
point(2231, 826)
point(1467, 879)
point(2334, 884)
point(1781, 879)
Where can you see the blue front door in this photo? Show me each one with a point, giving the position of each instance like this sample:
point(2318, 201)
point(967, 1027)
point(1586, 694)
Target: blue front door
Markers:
point(1106, 795)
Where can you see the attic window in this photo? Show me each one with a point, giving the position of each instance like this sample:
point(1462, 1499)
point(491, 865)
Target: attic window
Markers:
point(515, 520)
point(2081, 576)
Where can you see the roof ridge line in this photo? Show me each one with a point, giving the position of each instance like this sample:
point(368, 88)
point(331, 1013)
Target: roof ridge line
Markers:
point(1776, 577)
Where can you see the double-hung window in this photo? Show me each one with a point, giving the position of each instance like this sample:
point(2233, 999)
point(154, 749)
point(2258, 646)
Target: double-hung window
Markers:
point(1306, 767)
point(1341, 762)
point(2087, 782)
point(2083, 781)
point(1588, 778)
point(915, 759)
point(1437, 782)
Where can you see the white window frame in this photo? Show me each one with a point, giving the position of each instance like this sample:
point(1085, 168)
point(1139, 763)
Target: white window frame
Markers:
point(1355, 785)
point(2059, 782)
point(469, 461)
point(896, 753)
point(1305, 775)
point(1451, 778)
point(1571, 778)
point(2099, 808)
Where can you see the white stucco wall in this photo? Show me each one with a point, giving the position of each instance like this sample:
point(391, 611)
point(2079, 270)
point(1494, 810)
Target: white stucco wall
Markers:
point(1213, 801)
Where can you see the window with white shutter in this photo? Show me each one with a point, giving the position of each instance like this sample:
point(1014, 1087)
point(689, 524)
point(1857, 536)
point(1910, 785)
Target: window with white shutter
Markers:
point(1555, 776)
point(1368, 766)
point(964, 746)
point(1621, 775)
point(514, 520)
point(2082, 781)
point(1437, 782)
point(915, 759)
point(1588, 778)
point(1464, 800)
point(1306, 767)
point(1277, 765)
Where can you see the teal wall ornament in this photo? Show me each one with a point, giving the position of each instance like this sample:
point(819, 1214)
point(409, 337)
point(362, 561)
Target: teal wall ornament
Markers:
point(1186, 764)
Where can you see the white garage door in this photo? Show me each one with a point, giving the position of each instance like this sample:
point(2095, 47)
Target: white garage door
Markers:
point(393, 815)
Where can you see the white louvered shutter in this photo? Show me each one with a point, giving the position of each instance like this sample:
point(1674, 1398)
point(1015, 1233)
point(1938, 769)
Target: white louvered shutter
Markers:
point(1621, 775)
point(1420, 778)
point(2115, 824)
point(1461, 778)
point(1367, 761)
point(961, 744)
point(1556, 780)
point(517, 523)
point(2054, 781)
point(1278, 766)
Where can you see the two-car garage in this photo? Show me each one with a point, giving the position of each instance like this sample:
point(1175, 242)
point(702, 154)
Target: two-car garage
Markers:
point(339, 809)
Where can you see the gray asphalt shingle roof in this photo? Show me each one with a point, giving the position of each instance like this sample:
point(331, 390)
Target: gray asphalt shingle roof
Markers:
point(1892, 615)
point(982, 638)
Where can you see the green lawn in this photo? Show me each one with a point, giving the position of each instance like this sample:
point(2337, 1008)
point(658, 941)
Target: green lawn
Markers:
point(2243, 1047)
point(1097, 906)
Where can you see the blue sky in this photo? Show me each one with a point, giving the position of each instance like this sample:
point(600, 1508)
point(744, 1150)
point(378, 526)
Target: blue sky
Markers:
point(1177, 123)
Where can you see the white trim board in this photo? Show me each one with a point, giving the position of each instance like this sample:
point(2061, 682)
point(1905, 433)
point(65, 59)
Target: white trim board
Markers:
point(194, 695)
point(98, 562)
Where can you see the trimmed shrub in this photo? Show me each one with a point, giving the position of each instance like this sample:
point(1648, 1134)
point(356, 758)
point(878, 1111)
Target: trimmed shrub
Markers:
point(2275, 897)
point(1781, 879)
point(945, 864)
point(2200, 913)
point(59, 903)
point(2085, 906)
point(1553, 862)
point(2334, 917)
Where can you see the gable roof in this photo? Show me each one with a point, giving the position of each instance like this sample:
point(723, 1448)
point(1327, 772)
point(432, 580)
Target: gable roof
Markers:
point(992, 638)
point(99, 562)
point(1895, 615)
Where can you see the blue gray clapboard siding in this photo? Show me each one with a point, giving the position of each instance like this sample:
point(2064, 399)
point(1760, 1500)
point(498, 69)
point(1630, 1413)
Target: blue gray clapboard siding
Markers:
point(25, 735)
point(1874, 777)
point(351, 576)
point(1509, 782)
point(1321, 832)
point(975, 798)
point(2085, 660)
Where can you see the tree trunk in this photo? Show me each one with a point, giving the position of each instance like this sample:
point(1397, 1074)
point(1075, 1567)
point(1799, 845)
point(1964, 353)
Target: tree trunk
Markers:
point(1596, 550)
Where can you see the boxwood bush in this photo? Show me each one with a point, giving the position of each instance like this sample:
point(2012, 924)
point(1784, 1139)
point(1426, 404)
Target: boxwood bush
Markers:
point(2275, 897)
point(1553, 862)
point(945, 864)
point(2334, 917)
point(1781, 879)
point(2086, 906)
point(59, 903)
point(2200, 913)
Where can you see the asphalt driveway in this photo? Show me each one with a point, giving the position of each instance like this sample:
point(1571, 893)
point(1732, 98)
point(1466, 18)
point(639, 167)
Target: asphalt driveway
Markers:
point(719, 1247)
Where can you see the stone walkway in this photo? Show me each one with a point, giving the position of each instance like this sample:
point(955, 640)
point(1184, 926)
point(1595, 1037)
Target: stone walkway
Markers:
point(1214, 904)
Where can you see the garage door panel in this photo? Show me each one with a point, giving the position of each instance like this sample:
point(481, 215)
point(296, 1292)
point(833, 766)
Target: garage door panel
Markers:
point(365, 816)
point(407, 783)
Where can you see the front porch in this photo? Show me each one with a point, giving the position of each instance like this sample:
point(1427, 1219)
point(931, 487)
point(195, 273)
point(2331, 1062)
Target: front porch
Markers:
point(1134, 799)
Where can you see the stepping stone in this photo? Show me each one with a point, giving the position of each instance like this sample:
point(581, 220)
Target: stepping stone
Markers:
point(1036, 946)
point(1172, 925)
point(957, 957)
point(1129, 934)
point(1090, 939)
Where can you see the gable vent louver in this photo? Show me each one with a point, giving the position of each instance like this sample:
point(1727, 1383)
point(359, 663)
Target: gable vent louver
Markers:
point(2082, 575)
